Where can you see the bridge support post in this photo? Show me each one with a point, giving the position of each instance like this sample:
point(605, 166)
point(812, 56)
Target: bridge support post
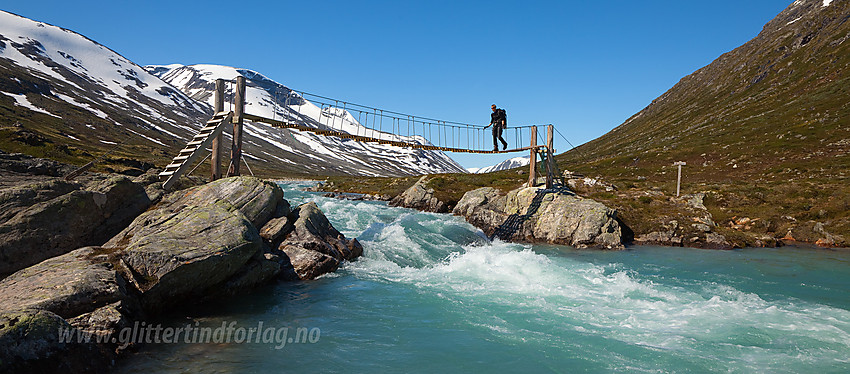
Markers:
point(550, 157)
point(215, 159)
point(238, 119)
point(532, 172)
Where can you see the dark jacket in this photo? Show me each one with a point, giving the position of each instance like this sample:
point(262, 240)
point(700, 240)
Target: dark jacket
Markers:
point(498, 117)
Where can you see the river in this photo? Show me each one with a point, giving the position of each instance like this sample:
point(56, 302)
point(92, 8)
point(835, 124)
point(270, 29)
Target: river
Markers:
point(432, 294)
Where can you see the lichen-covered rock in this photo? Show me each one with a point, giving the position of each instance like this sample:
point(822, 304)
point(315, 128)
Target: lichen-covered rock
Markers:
point(420, 197)
point(30, 343)
point(483, 208)
point(105, 323)
point(17, 198)
point(56, 217)
point(256, 199)
point(536, 214)
point(170, 257)
point(314, 246)
point(69, 285)
point(196, 240)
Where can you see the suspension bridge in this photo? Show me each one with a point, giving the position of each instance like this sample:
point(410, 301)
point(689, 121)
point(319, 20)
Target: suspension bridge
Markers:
point(335, 118)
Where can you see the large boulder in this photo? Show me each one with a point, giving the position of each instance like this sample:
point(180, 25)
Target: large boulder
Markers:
point(483, 208)
point(314, 246)
point(194, 245)
point(51, 218)
point(17, 198)
point(196, 240)
point(75, 283)
point(535, 214)
point(420, 197)
point(31, 341)
point(254, 198)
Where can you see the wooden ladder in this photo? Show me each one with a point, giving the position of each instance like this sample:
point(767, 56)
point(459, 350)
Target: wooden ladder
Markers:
point(194, 148)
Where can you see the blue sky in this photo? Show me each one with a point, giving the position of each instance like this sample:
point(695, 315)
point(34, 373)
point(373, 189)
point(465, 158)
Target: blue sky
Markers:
point(584, 66)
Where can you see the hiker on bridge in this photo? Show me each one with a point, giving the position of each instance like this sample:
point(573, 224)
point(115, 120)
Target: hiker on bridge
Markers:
point(499, 121)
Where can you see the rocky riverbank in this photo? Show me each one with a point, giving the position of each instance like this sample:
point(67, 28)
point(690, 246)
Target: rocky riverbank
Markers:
point(645, 214)
point(526, 214)
point(148, 252)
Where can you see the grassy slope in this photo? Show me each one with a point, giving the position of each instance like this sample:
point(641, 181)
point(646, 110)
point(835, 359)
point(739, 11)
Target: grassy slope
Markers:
point(764, 129)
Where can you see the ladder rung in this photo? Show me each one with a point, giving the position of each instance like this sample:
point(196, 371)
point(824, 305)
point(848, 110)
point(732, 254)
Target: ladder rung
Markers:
point(194, 143)
point(166, 173)
point(208, 128)
point(188, 149)
point(181, 158)
point(177, 165)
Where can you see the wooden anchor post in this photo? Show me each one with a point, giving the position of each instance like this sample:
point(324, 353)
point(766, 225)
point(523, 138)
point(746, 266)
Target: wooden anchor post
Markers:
point(215, 159)
point(238, 119)
point(550, 157)
point(532, 173)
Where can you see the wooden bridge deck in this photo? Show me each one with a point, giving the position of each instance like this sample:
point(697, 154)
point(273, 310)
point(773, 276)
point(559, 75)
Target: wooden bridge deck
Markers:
point(360, 138)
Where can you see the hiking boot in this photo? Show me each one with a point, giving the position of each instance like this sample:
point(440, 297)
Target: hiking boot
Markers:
point(504, 146)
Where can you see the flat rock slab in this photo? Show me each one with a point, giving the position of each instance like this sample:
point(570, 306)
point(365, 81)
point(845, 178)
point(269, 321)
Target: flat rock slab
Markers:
point(68, 285)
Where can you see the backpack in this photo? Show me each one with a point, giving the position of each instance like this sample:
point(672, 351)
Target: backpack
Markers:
point(504, 116)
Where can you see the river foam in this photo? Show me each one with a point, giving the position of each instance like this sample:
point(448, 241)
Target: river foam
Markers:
point(432, 294)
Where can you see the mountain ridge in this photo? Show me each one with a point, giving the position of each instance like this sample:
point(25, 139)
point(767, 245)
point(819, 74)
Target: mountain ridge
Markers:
point(66, 97)
point(764, 130)
point(773, 87)
point(268, 98)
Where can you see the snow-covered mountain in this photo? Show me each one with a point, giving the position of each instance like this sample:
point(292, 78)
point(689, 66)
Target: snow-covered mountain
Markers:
point(267, 98)
point(61, 83)
point(69, 97)
point(504, 165)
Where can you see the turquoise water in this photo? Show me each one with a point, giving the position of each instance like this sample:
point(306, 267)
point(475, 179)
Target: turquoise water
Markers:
point(431, 294)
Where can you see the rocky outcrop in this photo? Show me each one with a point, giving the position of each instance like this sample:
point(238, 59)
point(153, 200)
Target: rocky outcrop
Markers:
point(24, 164)
point(535, 214)
point(53, 217)
point(690, 225)
point(194, 245)
point(69, 285)
point(195, 240)
point(420, 197)
point(30, 343)
point(313, 246)
point(76, 293)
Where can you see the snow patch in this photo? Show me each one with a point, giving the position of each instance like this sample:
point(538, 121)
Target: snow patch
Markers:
point(21, 100)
